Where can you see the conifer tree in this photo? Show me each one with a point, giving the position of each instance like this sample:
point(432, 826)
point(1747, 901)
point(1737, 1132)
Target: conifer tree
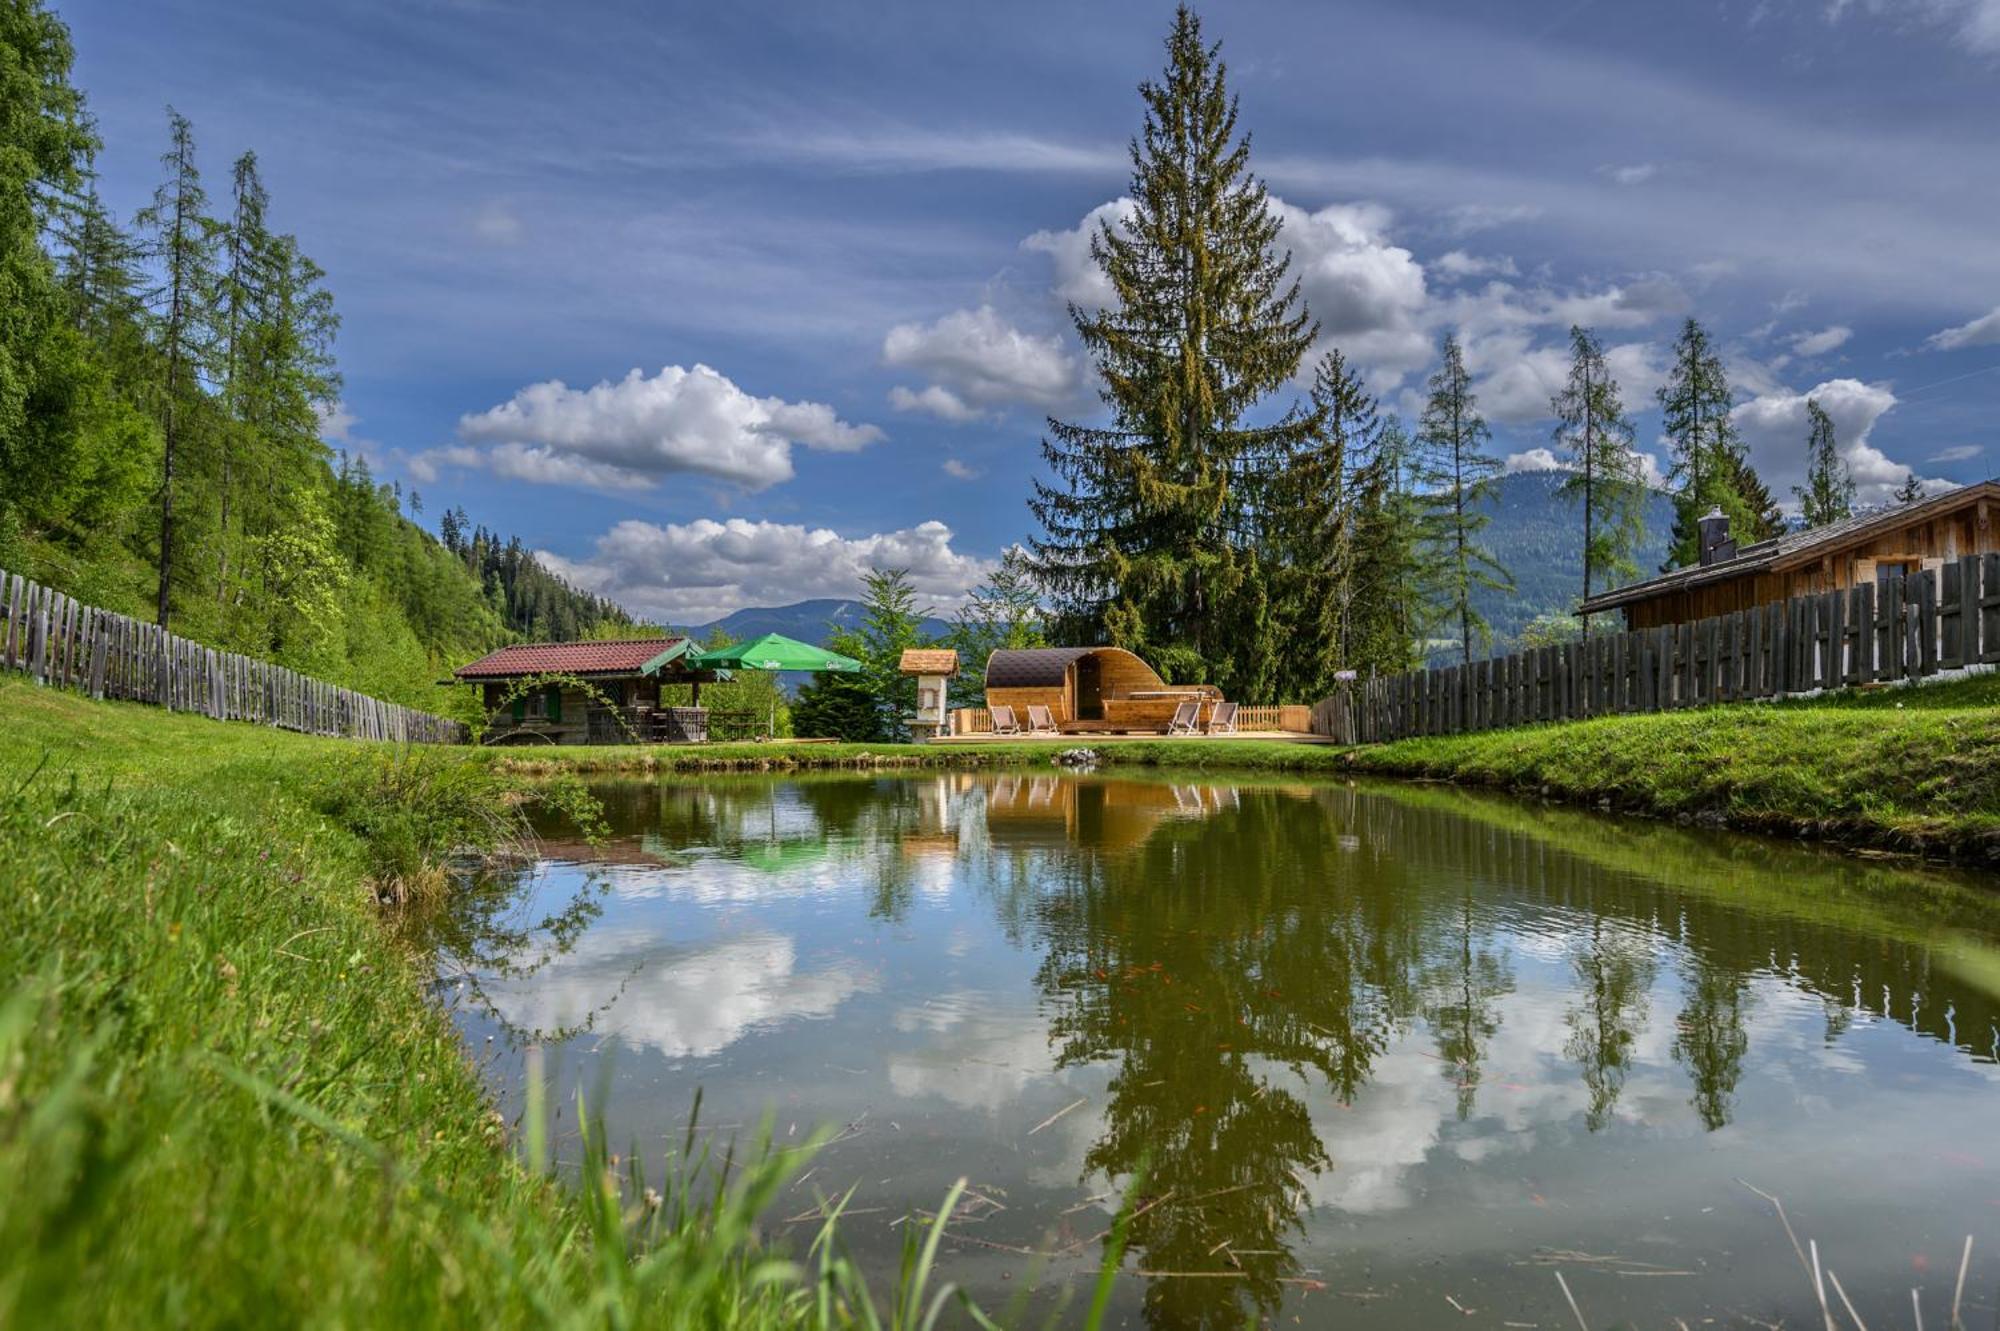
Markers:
point(1002, 613)
point(1461, 480)
point(1150, 529)
point(1309, 531)
point(891, 624)
point(1391, 602)
point(1911, 490)
point(1828, 494)
point(241, 290)
point(99, 269)
point(45, 145)
point(183, 248)
point(1708, 458)
point(1595, 436)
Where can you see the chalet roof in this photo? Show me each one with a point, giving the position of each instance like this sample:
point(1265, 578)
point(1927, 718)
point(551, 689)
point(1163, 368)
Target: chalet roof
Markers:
point(631, 656)
point(929, 661)
point(1793, 549)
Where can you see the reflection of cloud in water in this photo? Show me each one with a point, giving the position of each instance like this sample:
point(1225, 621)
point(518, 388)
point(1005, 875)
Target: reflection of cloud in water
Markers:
point(1527, 1088)
point(685, 1003)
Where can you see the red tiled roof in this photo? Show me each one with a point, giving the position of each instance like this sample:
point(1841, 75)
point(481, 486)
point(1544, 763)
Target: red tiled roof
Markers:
point(570, 658)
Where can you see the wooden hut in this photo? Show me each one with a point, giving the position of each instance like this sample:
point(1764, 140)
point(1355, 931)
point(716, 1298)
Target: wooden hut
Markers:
point(1088, 688)
point(1865, 548)
point(621, 705)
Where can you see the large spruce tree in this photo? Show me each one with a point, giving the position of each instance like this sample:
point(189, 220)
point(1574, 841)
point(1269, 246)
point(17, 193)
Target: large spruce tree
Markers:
point(1594, 436)
point(1462, 480)
point(1150, 531)
point(1828, 494)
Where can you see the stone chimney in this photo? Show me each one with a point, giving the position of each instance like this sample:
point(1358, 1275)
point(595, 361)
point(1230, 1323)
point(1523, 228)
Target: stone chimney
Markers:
point(1716, 547)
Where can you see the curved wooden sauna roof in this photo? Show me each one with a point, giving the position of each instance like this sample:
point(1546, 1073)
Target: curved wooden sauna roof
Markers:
point(1047, 667)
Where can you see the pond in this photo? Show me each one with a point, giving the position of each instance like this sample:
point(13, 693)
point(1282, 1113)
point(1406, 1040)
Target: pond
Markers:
point(1384, 1054)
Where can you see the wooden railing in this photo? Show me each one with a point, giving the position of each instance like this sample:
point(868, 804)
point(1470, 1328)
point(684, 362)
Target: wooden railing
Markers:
point(57, 640)
point(1903, 628)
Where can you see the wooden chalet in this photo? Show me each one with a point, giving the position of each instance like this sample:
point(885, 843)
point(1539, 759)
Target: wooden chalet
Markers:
point(1867, 548)
point(1088, 688)
point(622, 705)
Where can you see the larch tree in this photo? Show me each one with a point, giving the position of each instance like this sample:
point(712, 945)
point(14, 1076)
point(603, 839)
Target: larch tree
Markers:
point(1828, 494)
point(1461, 480)
point(1150, 529)
point(1594, 436)
point(183, 244)
point(241, 290)
point(1709, 463)
point(1003, 613)
point(1910, 491)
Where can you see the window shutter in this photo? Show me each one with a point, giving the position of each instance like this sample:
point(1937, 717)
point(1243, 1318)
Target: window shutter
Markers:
point(520, 707)
point(555, 702)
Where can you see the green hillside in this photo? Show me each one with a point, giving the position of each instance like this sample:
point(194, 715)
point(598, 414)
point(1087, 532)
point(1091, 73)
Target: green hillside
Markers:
point(1538, 537)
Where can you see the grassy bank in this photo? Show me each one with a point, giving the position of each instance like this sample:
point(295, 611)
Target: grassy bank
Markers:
point(225, 1098)
point(1907, 769)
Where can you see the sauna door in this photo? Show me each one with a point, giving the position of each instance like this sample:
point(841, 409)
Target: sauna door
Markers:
point(1089, 689)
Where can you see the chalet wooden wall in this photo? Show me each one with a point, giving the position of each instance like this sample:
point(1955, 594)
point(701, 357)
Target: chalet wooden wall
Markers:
point(1926, 543)
point(1934, 619)
point(59, 641)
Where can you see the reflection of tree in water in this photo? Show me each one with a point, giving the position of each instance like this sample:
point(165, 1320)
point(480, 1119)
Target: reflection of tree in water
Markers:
point(1206, 964)
point(1614, 969)
point(1463, 987)
point(488, 930)
point(1710, 1040)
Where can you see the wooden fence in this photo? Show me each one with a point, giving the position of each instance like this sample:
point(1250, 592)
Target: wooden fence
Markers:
point(1900, 628)
point(58, 641)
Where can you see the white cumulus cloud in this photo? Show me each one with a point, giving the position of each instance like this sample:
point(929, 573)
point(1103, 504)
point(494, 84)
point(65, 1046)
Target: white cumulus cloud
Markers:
point(976, 361)
point(1368, 293)
point(1774, 426)
point(1980, 332)
point(1078, 280)
point(689, 573)
point(1823, 341)
point(1533, 459)
point(626, 435)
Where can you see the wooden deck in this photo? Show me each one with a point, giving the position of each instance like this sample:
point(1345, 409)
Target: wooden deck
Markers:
point(1082, 739)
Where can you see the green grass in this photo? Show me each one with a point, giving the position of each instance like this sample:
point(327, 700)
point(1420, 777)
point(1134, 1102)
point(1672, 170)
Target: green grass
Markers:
point(225, 1099)
point(1910, 769)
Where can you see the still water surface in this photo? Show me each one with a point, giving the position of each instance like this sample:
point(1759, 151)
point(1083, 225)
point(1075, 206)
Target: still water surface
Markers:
point(1371, 1047)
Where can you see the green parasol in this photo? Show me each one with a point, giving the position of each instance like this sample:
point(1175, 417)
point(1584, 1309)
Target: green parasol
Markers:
point(774, 651)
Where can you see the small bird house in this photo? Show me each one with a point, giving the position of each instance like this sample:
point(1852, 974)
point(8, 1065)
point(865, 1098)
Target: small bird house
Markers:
point(933, 668)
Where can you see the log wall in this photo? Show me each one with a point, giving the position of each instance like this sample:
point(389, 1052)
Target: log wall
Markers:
point(58, 641)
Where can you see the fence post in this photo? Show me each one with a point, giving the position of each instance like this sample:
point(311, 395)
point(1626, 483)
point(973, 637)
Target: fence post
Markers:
point(1927, 621)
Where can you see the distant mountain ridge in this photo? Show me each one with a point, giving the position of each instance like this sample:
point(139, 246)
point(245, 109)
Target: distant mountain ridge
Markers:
point(1536, 534)
point(808, 621)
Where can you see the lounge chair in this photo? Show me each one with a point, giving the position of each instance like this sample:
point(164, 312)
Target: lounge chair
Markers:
point(1187, 719)
point(1222, 721)
point(1040, 721)
point(1003, 720)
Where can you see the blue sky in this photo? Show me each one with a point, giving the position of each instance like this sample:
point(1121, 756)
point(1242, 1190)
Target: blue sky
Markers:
point(816, 255)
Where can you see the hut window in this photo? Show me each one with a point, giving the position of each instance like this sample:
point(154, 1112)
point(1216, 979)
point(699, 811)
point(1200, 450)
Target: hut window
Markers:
point(555, 702)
